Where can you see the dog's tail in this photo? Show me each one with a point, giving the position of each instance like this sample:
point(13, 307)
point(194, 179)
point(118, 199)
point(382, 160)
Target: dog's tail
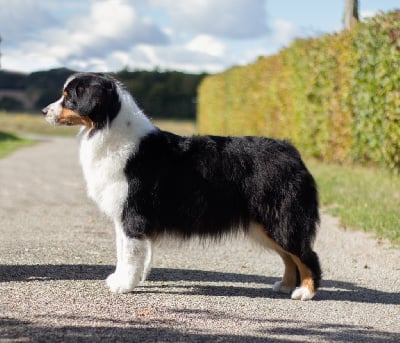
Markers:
point(311, 260)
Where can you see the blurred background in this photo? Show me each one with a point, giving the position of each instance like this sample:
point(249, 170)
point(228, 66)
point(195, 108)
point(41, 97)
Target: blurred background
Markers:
point(161, 48)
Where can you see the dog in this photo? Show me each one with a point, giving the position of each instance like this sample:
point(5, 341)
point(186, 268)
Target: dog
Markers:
point(153, 183)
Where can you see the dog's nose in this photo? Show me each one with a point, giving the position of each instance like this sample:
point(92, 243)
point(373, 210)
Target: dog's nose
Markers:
point(45, 110)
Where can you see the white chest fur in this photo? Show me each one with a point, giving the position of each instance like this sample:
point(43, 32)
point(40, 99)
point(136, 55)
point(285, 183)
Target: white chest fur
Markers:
point(103, 166)
point(104, 156)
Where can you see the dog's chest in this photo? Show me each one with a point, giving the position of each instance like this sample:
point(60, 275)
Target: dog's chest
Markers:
point(103, 169)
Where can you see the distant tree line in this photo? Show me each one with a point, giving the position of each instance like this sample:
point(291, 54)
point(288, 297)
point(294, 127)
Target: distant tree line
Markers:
point(168, 94)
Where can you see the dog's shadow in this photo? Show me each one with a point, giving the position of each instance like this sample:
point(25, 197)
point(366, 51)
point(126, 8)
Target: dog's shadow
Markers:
point(232, 284)
point(53, 272)
point(46, 272)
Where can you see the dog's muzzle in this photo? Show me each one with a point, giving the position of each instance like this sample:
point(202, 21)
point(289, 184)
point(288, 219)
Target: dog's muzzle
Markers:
point(52, 112)
point(45, 110)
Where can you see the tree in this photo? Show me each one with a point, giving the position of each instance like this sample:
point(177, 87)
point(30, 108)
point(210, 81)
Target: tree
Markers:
point(11, 104)
point(351, 13)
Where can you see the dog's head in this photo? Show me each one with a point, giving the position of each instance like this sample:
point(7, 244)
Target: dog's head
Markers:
point(88, 99)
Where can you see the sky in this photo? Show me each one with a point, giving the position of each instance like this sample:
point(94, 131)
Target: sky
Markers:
point(187, 35)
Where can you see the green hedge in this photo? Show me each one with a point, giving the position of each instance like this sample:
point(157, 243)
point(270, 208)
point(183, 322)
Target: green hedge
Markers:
point(337, 97)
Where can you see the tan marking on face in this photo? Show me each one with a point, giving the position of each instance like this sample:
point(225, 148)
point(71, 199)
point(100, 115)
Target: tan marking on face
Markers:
point(69, 117)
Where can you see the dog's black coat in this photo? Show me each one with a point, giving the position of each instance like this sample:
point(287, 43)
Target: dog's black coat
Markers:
point(209, 185)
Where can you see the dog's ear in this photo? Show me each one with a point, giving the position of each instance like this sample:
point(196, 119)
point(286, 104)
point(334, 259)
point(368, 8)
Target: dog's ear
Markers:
point(98, 99)
point(79, 90)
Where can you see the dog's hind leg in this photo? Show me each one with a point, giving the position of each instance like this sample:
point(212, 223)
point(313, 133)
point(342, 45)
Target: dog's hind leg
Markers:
point(132, 254)
point(289, 279)
point(310, 275)
point(307, 267)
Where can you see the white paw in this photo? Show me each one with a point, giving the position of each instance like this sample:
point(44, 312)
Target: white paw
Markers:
point(121, 282)
point(302, 293)
point(279, 288)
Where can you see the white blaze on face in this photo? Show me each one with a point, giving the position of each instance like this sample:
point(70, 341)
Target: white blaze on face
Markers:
point(54, 110)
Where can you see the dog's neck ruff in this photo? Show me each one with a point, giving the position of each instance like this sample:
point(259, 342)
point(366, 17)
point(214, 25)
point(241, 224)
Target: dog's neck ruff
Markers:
point(104, 154)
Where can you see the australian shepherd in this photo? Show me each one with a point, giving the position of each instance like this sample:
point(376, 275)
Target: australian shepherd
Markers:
point(153, 183)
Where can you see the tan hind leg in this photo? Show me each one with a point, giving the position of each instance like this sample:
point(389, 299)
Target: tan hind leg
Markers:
point(288, 283)
point(307, 287)
point(289, 279)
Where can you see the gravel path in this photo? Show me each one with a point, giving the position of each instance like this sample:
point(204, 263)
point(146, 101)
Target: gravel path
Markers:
point(56, 250)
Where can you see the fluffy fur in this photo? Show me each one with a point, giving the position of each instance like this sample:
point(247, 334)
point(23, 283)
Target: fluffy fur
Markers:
point(153, 183)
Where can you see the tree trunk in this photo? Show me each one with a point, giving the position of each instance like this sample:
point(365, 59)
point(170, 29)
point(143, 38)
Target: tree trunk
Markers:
point(351, 13)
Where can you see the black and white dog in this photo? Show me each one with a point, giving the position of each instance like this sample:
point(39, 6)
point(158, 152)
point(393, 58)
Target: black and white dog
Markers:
point(153, 183)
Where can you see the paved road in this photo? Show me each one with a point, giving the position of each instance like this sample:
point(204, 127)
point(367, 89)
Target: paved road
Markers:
point(56, 250)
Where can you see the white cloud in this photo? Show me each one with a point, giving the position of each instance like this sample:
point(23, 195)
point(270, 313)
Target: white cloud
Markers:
point(111, 25)
point(175, 57)
point(110, 18)
point(206, 44)
point(108, 35)
point(368, 13)
point(237, 19)
point(84, 41)
point(149, 53)
point(283, 31)
point(22, 20)
point(28, 61)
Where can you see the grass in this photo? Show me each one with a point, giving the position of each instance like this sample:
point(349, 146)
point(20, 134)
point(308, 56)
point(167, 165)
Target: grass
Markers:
point(364, 198)
point(10, 142)
point(15, 126)
point(22, 124)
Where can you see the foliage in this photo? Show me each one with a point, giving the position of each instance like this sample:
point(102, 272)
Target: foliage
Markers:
point(45, 86)
point(12, 80)
point(9, 103)
point(336, 97)
point(160, 94)
point(376, 100)
point(169, 94)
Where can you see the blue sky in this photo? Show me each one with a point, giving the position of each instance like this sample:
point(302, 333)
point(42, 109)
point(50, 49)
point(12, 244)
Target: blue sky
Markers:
point(188, 35)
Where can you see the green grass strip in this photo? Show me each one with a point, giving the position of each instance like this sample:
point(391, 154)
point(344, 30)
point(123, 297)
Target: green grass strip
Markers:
point(364, 198)
point(10, 142)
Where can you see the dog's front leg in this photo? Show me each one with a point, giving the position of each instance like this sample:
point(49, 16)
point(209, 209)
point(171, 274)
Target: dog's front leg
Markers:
point(148, 261)
point(132, 255)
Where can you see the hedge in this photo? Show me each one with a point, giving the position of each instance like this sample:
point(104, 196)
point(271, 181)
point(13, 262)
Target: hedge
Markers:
point(337, 97)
